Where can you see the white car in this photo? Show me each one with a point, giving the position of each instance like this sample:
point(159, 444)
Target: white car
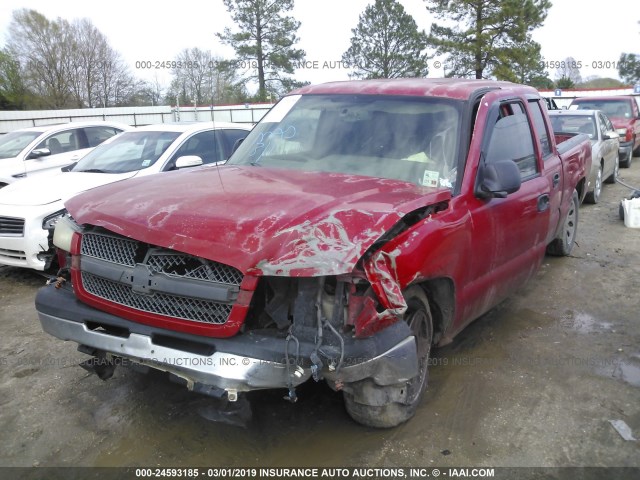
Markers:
point(605, 144)
point(36, 150)
point(30, 209)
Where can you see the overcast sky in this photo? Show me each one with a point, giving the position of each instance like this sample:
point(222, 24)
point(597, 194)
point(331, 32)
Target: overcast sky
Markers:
point(593, 33)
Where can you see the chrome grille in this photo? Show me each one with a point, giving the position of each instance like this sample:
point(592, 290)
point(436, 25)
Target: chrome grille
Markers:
point(114, 281)
point(107, 247)
point(185, 308)
point(12, 226)
point(175, 263)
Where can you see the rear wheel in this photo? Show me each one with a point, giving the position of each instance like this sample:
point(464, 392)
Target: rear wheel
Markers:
point(594, 195)
point(388, 406)
point(563, 243)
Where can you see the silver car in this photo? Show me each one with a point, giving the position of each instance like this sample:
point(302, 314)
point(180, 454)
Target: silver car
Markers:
point(605, 143)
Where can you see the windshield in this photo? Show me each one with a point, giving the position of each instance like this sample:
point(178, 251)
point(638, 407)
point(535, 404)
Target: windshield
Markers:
point(574, 124)
point(13, 143)
point(404, 138)
point(612, 108)
point(128, 152)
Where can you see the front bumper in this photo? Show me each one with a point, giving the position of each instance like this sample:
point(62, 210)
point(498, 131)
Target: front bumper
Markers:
point(625, 148)
point(27, 250)
point(250, 361)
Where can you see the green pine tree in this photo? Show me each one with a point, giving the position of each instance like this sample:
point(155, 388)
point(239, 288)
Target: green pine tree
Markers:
point(386, 43)
point(265, 42)
point(629, 68)
point(485, 34)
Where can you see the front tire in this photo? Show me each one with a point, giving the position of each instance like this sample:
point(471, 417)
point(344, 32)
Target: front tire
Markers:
point(594, 195)
point(388, 406)
point(626, 163)
point(616, 171)
point(563, 243)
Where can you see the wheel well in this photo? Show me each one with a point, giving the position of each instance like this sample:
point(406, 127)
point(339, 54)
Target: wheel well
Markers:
point(441, 295)
point(581, 190)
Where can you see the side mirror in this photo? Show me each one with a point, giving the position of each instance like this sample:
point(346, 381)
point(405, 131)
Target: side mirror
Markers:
point(610, 136)
point(40, 152)
point(498, 179)
point(188, 161)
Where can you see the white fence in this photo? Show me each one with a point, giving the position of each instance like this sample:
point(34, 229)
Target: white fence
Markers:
point(134, 116)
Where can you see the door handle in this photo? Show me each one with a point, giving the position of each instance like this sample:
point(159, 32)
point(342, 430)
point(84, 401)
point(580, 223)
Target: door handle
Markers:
point(543, 202)
point(556, 180)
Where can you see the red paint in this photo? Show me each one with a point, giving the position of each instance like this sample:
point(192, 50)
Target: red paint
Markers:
point(211, 214)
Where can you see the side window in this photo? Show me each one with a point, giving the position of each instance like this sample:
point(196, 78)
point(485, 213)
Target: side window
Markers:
point(603, 125)
point(97, 135)
point(66, 141)
point(232, 136)
point(541, 127)
point(511, 140)
point(609, 125)
point(202, 144)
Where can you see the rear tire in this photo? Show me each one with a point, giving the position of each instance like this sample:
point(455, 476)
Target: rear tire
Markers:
point(388, 406)
point(563, 243)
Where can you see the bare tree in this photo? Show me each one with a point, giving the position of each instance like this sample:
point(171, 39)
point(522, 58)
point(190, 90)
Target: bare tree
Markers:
point(568, 71)
point(193, 69)
point(68, 64)
point(44, 49)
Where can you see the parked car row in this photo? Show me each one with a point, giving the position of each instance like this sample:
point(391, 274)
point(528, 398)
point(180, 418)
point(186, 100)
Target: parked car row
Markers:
point(612, 124)
point(604, 144)
point(36, 150)
point(624, 112)
point(30, 209)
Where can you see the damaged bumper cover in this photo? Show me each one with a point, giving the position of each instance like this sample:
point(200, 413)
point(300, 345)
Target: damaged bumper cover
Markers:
point(249, 361)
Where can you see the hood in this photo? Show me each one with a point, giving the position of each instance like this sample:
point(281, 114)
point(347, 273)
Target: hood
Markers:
point(621, 122)
point(260, 220)
point(41, 190)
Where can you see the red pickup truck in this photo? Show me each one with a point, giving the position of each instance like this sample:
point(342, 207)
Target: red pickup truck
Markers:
point(357, 226)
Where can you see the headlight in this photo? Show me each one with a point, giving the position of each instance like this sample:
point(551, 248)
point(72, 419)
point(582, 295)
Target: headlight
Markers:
point(625, 134)
point(63, 233)
point(49, 222)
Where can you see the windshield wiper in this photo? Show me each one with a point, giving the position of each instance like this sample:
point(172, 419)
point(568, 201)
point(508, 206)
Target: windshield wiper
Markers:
point(93, 170)
point(69, 167)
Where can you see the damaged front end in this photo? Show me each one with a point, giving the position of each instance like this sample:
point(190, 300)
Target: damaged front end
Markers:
point(333, 327)
point(143, 306)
